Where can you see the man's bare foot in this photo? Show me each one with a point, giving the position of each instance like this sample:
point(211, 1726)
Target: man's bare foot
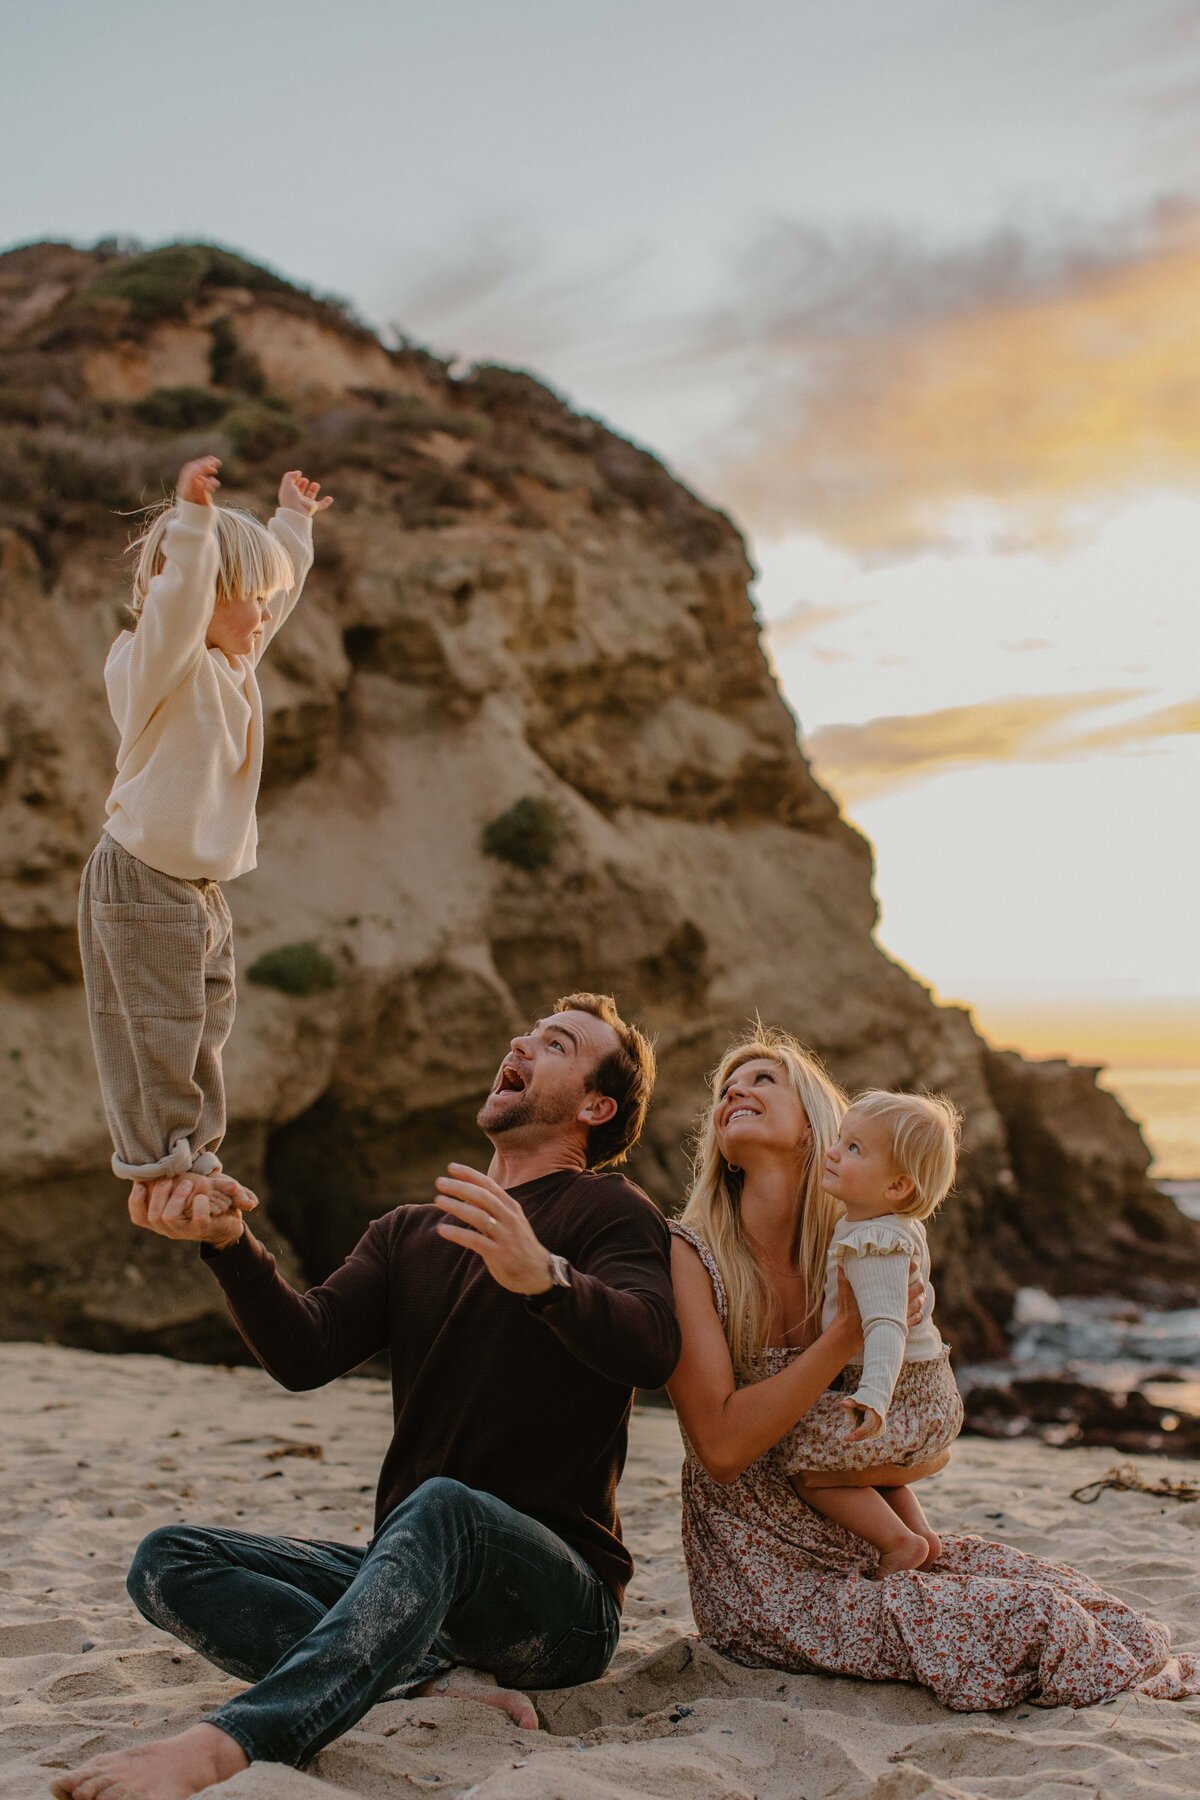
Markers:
point(908, 1552)
point(173, 1768)
point(477, 1684)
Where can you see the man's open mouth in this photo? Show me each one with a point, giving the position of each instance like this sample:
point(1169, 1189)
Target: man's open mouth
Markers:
point(509, 1081)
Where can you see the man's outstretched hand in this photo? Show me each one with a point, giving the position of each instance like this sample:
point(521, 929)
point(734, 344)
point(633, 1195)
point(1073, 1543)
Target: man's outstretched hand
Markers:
point(485, 1219)
point(180, 1207)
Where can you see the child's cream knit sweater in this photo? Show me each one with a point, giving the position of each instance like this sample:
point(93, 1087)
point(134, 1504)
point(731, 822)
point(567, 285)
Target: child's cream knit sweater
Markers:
point(190, 757)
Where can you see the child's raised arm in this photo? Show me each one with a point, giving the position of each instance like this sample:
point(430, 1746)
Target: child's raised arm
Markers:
point(176, 607)
point(292, 525)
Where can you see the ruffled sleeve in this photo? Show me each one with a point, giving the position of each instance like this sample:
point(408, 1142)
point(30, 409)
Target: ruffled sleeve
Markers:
point(872, 1238)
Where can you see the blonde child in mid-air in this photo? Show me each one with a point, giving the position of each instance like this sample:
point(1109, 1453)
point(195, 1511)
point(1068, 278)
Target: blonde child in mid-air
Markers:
point(891, 1167)
point(211, 587)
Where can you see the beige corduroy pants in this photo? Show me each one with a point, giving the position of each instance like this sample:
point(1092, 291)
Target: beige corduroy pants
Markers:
point(159, 976)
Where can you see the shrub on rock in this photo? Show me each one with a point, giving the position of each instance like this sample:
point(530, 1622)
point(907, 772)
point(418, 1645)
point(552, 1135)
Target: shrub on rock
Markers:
point(296, 969)
point(527, 835)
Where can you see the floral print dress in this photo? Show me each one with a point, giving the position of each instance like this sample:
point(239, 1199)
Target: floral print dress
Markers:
point(775, 1585)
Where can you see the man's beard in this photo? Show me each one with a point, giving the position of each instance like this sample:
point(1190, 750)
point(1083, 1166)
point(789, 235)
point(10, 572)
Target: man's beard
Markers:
point(526, 1110)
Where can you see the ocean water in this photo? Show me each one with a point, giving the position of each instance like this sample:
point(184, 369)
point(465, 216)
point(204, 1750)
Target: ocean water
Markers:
point(1166, 1104)
point(1112, 1343)
point(1107, 1343)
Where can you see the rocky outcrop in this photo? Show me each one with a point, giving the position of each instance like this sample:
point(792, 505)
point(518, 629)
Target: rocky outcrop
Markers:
point(510, 604)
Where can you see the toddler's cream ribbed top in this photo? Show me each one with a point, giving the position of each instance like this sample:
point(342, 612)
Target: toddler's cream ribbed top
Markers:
point(190, 757)
point(876, 1253)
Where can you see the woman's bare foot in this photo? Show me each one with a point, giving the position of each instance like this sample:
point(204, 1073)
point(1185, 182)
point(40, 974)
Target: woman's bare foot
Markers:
point(173, 1768)
point(907, 1552)
point(477, 1684)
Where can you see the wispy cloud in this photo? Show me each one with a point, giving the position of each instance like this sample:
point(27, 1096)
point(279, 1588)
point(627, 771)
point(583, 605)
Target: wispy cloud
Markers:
point(1182, 719)
point(886, 394)
point(902, 398)
point(886, 753)
point(507, 295)
point(806, 617)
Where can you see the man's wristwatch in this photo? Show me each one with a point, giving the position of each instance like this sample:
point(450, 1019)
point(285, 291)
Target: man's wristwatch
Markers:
point(560, 1279)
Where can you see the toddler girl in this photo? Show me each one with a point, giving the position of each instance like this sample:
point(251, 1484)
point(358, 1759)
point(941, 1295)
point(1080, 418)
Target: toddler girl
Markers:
point(891, 1167)
point(211, 586)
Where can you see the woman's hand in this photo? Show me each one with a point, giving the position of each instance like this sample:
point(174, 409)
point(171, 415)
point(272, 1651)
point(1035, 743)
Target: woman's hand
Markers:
point(847, 1321)
point(916, 1295)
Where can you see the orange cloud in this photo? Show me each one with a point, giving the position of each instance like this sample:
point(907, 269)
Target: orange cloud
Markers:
point(1008, 390)
point(862, 760)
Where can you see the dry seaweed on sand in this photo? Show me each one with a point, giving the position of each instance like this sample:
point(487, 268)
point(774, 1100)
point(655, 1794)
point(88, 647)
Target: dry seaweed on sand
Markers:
point(1126, 1479)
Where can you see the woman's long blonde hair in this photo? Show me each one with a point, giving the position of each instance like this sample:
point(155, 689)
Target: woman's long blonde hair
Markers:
point(713, 1208)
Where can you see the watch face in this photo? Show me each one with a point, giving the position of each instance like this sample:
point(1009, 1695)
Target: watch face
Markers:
point(560, 1271)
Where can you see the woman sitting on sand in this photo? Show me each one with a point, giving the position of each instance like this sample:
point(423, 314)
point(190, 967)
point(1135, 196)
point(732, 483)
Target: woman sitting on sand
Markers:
point(773, 1583)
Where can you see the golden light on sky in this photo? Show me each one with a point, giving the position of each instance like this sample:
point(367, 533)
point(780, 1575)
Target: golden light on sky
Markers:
point(1088, 387)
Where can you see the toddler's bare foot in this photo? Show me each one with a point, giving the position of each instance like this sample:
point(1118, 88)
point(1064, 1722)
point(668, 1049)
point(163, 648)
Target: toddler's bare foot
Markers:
point(933, 1546)
point(172, 1768)
point(477, 1684)
point(908, 1552)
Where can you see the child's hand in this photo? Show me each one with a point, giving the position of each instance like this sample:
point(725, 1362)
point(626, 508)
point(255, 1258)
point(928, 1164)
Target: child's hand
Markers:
point(300, 495)
point(198, 480)
point(871, 1422)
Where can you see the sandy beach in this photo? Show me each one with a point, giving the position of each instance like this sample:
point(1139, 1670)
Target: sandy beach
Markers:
point(100, 1449)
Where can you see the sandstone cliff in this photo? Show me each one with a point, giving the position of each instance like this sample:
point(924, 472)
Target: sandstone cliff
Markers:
point(512, 607)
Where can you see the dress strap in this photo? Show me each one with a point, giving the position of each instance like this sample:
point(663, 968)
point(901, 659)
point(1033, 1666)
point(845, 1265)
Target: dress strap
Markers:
point(710, 1263)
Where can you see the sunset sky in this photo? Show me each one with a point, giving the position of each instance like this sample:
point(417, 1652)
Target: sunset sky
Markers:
point(911, 287)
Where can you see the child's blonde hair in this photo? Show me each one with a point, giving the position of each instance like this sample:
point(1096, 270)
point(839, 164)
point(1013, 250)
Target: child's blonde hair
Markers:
point(714, 1201)
point(926, 1130)
point(250, 562)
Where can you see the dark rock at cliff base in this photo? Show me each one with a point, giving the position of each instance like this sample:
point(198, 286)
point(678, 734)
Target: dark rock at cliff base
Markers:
point(1068, 1413)
point(514, 616)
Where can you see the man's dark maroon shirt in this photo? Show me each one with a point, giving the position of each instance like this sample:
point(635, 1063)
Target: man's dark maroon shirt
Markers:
point(528, 1401)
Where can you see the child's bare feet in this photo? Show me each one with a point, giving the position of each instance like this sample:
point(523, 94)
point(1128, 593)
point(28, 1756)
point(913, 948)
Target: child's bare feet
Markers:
point(198, 1186)
point(477, 1684)
point(907, 1552)
point(182, 1207)
point(905, 1504)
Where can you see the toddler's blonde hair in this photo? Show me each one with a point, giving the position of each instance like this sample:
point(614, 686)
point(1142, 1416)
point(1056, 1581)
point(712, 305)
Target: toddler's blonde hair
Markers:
point(926, 1130)
point(250, 562)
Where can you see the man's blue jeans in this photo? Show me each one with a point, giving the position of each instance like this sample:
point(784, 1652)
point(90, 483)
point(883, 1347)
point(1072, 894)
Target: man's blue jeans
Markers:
point(325, 1630)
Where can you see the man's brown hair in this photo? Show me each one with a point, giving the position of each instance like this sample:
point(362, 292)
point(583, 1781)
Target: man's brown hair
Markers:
point(625, 1075)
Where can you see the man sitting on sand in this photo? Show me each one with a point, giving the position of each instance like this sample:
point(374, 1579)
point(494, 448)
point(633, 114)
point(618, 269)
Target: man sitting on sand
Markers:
point(519, 1313)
